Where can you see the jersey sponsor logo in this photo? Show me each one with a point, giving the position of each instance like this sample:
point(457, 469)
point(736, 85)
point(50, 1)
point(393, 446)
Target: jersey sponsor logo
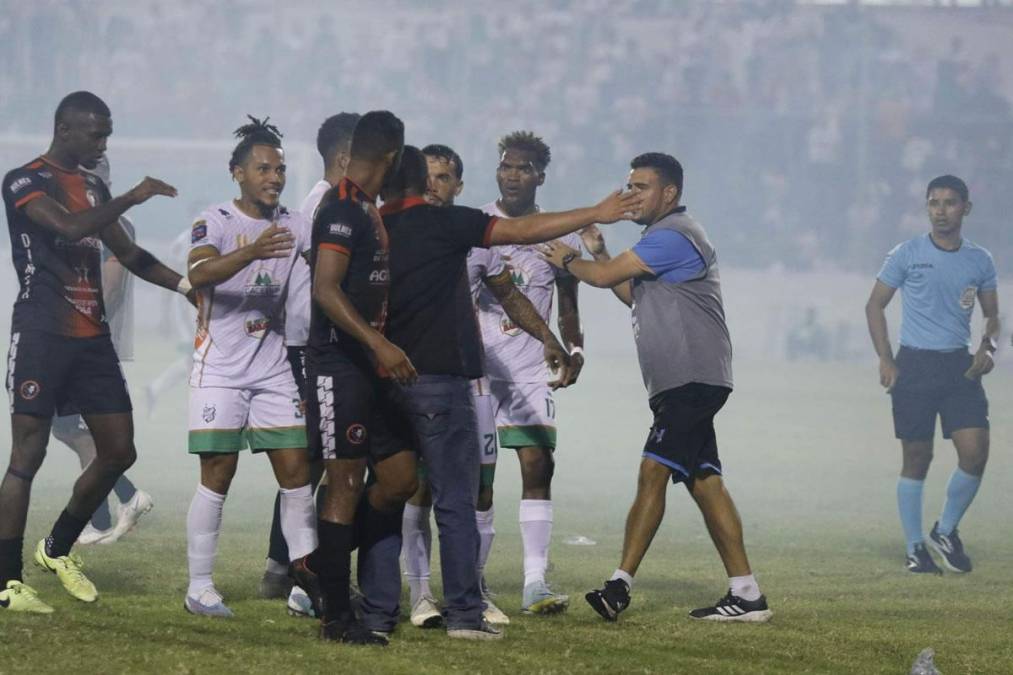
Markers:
point(967, 298)
point(340, 229)
point(356, 434)
point(256, 325)
point(379, 277)
point(29, 389)
point(198, 231)
point(508, 327)
point(922, 266)
point(262, 285)
point(20, 184)
point(208, 414)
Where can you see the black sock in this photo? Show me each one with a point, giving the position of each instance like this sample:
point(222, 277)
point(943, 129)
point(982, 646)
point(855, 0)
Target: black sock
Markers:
point(65, 532)
point(101, 520)
point(124, 489)
point(10, 560)
point(332, 563)
point(277, 548)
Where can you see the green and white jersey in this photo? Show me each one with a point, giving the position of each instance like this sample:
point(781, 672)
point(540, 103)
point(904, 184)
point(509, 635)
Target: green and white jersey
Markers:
point(240, 339)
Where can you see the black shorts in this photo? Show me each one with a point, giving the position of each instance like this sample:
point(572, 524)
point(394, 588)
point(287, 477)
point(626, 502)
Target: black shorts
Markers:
point(51, 374)
point(682, 436)
point(352, 413)
point(932, 383)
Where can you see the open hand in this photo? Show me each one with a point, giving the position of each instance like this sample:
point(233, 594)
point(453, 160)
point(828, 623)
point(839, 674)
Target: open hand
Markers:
point(148, 188)
point(274, 242)
point(618, 206)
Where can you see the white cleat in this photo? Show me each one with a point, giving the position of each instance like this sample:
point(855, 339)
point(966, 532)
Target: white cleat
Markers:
point(130, 513)
point(299, 604)
point(426, 613)
point(91, 535)
point(208, 603)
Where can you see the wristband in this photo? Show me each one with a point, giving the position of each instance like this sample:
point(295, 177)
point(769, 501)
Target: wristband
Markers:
point(577, 350)
point(184, 286)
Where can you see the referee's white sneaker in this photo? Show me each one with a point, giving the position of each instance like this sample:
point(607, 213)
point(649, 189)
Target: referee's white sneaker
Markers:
point(733, 608)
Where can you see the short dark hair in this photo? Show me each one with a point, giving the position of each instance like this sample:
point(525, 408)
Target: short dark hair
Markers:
point(80, 101)
point(666, 166)
point(412, 175)
point(526, 140)
point(257, 132)
point(377, 133)
point(950, 182)
point(336, 133)
point(446, 153)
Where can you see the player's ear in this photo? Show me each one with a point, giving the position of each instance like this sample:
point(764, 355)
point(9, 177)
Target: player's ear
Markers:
point(237, 174)
point(967, 208)
point(671, 194)
point(541, 177)
point(460, 186)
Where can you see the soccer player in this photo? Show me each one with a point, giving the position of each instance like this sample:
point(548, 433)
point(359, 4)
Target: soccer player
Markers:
point(117, 294)
point(432, 319)
point(940, 274)
point(485, 269)
point(242, 390)
point(61, 356)
point(670, 279)
point(334, 140)
point(518, 382)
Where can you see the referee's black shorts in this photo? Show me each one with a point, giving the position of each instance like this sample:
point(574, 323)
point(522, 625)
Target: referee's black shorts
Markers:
point(932, 383)
point(682, 437)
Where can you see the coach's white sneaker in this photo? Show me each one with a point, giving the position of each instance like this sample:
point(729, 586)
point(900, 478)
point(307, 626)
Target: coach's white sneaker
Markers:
point(299, 603)
point(426, 613)
point(492, 613)
point(131, 512)
point(91, 535)
point(208, 603)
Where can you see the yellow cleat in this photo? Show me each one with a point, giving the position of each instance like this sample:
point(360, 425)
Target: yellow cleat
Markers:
point(67, 569)
point(17, 597)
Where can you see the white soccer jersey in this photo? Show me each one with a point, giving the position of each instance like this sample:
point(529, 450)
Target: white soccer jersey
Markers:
point(297, 309)
point(482, 263)
point(510, 353)
point(241, 322)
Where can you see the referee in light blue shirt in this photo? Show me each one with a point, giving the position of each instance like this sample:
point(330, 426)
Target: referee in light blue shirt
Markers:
point(940, 275)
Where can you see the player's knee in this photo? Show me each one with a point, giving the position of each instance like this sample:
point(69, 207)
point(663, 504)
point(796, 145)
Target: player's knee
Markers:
point(653, 476)
point(403, 488)
point(974, 462)
point(26, 459)
point(121, 459)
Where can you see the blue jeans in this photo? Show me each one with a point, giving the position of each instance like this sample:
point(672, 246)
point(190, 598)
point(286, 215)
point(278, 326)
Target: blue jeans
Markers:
point(443, 417)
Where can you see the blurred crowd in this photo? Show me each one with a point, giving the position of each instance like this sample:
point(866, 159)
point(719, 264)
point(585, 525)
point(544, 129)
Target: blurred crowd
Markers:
point(808, 131)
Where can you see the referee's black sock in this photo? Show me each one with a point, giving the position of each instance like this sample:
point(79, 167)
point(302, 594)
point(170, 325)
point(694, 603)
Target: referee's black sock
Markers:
point(332, 563)
point(277, 547)
point(65, 532)
point(10, 560)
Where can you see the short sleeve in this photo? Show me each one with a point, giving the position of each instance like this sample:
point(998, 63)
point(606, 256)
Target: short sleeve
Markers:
point(24, 186)
point(989, 280)
point(670, 255)
point(338, 229)
point(206, 231)
point(894, 270)
point(469, 228)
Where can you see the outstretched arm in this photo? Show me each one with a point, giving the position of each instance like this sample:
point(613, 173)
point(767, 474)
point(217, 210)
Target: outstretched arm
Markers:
point(539, 227)
point(602, 274)
point(208, 267)
point(594, 242)
point(53, 216)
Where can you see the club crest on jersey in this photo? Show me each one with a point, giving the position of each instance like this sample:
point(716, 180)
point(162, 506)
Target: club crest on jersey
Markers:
point(198, 231)
point(967, 298)
point(262, 285)
point(356, 434)
point(257, 325)
point(209, 413)
point(508, 327)
point(29, 389)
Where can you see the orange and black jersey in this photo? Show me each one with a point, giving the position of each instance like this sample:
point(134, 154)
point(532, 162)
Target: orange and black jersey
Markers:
point(348, 222)
point(60, 280)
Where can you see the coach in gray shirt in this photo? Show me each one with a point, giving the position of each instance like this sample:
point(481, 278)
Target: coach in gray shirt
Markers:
point(670, 279)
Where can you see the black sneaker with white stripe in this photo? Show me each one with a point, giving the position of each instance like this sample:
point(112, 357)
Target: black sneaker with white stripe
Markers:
point(733, 608)
point(610, 600)
point(951, 548)
point(921, 562)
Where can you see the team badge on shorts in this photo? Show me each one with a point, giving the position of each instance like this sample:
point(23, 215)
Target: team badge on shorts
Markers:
point(356, 434)
point(29, 389)
point(209, 413)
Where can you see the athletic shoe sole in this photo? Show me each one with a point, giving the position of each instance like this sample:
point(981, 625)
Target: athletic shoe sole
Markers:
point(946, 561)
point(473, 634)
point(759, 616)
point(547, 607)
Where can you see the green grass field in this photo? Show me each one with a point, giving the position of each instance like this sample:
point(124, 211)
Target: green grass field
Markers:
point(810, 459)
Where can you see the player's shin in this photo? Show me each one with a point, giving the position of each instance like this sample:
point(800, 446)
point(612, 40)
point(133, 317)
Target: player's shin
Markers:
point(203, 523)
point(298, 520)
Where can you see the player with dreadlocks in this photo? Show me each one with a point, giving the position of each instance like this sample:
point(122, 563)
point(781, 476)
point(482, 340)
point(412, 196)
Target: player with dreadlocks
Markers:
point(242, 390)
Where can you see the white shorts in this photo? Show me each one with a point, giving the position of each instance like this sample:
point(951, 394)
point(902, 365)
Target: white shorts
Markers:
point(224, 420)
point(525, 414)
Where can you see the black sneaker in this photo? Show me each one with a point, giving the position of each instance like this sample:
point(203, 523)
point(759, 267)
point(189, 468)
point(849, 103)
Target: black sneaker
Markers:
point(951, 548)
point(733, 608)
point(350, 632)
point(920, 562)
point(308, 580)
point(610, 600)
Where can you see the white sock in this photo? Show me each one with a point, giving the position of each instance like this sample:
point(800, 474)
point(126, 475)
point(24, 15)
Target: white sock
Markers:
point(203, 523)
point(744, 587)
point(625, 576)
point(298, 521)
point(486, 533)
point(416, 542)
point(536, 532)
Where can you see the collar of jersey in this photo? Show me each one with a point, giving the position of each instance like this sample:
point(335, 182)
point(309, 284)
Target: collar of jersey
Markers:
point(351, 187)
point(399, 205)
point(56, 166)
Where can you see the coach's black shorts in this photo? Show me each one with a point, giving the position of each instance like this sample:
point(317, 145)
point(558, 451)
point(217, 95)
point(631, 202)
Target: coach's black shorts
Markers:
point(352, 413)
point(932, 383)
point(682, 436)
point(51, 374)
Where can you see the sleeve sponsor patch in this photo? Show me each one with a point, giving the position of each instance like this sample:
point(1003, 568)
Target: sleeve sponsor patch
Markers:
point(340, 229)
point(20, 184)
point(199, 231)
